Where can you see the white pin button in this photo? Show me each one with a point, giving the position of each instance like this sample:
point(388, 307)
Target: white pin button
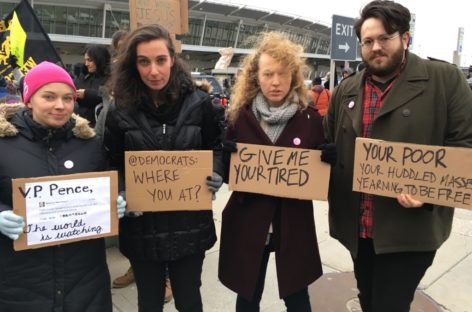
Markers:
point(69, 164)
point(351, 104)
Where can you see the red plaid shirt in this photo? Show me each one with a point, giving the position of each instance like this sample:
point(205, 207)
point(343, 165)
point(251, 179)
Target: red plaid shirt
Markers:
point(373, 99)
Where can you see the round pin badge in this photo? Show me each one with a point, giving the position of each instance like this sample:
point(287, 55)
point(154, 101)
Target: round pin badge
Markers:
point(297, 141)
point(351, 104)
point(68, 164)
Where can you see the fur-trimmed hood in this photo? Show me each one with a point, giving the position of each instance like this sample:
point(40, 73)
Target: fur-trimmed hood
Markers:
point(203, 85)
point(81, 129)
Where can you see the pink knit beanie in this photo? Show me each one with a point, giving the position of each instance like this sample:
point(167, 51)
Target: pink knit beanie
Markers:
point(41, 75)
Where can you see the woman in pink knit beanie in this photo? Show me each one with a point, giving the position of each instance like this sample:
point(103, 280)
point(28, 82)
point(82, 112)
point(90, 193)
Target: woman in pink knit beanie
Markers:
point(46, 139)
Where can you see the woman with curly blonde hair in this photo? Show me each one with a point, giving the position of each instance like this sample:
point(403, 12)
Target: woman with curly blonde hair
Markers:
point(269, 108)
point(280, 50)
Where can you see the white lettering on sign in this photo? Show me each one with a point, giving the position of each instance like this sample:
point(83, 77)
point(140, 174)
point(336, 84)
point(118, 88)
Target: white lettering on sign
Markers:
point(344, 30)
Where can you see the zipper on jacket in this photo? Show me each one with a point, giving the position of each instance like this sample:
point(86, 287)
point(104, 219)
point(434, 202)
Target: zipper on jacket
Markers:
point(48, 140)
point(53, 166)
point(164, 129)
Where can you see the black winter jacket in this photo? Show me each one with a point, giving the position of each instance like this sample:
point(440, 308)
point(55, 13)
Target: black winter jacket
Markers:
point(166, 236)
point(91, 83)
point(72, 277)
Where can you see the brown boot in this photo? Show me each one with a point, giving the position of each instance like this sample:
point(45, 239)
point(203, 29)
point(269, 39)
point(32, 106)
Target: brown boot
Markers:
point(124, 280)
point(168, 295)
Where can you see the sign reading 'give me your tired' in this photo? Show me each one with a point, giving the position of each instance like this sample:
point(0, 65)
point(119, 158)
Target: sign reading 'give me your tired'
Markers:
point(433, 174)
point(279, 171)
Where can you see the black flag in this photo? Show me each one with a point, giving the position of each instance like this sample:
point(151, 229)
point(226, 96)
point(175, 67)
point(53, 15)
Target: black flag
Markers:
point(22, 35)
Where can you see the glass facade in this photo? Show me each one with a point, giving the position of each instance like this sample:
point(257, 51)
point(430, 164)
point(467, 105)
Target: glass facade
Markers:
point(219, 34)
point(80, 21)
point(115, 21)
point(6, 8)
point(193, 36)
point(88, 22)
point(247, 35)
point(70, 21)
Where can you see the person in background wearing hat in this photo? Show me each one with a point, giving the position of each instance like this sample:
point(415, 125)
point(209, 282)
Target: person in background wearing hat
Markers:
point(43, 138)
point(397, 97)
point(319, 96)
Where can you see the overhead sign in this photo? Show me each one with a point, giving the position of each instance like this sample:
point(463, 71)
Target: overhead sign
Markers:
point(343, 39)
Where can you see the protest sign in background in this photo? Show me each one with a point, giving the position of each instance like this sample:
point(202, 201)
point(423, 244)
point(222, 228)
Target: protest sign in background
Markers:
point(66, 208)
point(171, 14)
point(279, 171)
point(168, 180)
point(433, 174)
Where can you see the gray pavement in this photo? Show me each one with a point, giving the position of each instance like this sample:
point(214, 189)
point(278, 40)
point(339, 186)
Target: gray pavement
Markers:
point(447, 284)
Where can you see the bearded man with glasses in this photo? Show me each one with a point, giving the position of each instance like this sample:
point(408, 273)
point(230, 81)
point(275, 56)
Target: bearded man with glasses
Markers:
point(397, 97)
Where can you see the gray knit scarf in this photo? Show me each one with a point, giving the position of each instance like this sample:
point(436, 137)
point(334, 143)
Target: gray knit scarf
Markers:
point(273, 119)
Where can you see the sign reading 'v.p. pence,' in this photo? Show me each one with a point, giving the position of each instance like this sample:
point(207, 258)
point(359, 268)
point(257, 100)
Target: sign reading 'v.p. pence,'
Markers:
point(66, 208)
point(279, 171)
point(433, 174)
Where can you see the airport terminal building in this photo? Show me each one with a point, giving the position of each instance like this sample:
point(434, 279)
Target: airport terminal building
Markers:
point(71, 24)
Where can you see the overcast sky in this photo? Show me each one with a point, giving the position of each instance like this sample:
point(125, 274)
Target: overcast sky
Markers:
point(436, 29)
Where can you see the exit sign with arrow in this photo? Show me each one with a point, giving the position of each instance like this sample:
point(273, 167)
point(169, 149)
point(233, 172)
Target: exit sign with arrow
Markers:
point(343, 39)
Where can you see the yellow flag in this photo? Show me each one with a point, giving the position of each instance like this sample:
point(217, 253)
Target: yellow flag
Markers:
point(17, 39)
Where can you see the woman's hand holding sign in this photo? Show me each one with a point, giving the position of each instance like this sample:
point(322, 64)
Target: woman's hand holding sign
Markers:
point(214, 183)
point(328, 153)
point(11, 224)
point(120, 206)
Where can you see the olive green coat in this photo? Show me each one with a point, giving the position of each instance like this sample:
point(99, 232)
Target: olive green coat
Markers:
point(431, 104)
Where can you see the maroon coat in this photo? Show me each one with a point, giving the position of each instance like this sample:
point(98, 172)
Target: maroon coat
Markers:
point(247, 217)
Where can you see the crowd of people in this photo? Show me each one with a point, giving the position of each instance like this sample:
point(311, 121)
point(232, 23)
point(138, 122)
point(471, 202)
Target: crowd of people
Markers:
point(141, 97)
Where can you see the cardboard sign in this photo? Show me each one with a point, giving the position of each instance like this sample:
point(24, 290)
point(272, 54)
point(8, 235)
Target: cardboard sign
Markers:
point(168, 180)
point(66, 208)
point(432, 174)
point(279, 171)
point(171, 14)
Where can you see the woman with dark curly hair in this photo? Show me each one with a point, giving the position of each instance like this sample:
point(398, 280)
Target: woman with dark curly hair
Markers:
point(157, 107)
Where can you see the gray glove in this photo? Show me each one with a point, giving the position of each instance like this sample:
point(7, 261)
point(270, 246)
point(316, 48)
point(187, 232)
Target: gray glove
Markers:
point(11, 224)
point(214, 183)
point(131, 214)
